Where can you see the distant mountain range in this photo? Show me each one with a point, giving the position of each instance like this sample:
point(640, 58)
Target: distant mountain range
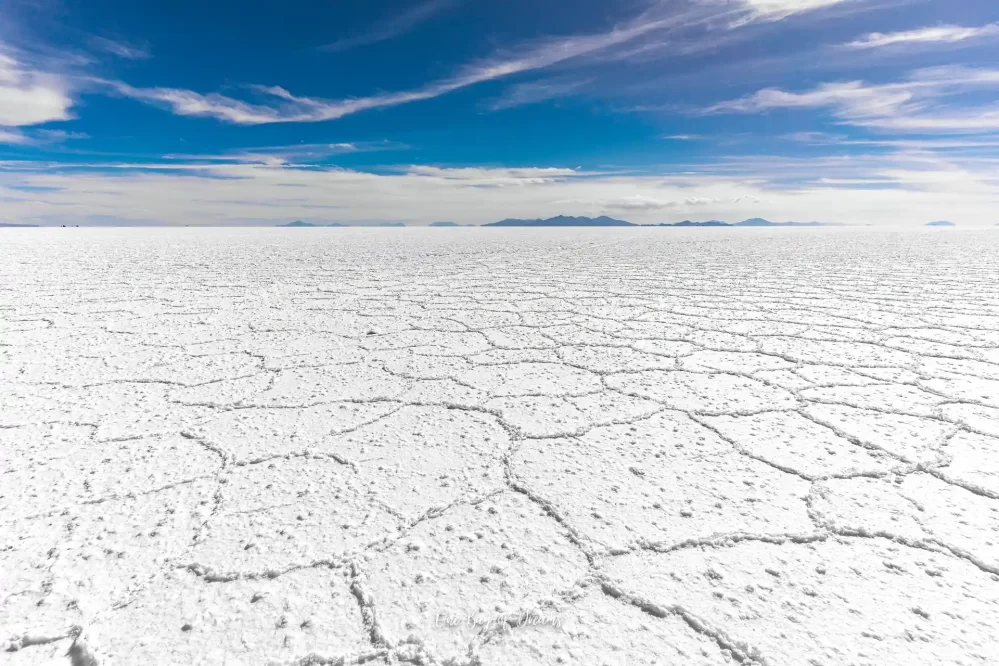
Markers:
point(941, 223)
point(688, 223)
point(563, 221)
point(12, 225)
point(299, 223)
point(603, 221)
point(760, 222)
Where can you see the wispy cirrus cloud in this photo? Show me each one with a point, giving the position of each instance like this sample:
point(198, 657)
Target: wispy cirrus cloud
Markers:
point(944, 34)
point(851, 99)
point(774, 10)
point(275, 104)
point(392, 26)
point(281, 155)
point(119, 48)
point(913, 105)
point(535, 92)
point(280, 105)
point(943, 145)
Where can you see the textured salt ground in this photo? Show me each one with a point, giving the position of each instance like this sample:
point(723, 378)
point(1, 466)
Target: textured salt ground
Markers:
point(837, 601)
point(596, 447)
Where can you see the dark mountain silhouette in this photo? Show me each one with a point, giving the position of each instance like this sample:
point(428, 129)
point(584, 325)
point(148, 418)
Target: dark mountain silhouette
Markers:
point(449, 224)
point(12, 225)
point(760, 222)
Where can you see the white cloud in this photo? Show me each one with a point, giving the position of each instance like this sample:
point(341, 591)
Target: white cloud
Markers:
point(28, 97)
point(911, 105)
point(495, 177)
point(970, 144)
point(36, 137)
point(57, 136)
point(636, 203)
point(12, 136)
point(946, 34)
point(645, 203)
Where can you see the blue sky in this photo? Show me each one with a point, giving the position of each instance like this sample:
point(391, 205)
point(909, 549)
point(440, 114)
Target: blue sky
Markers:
point(882, 112)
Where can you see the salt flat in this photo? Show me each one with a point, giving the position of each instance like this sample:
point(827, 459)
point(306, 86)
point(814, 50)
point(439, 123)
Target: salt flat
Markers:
point(479, 446)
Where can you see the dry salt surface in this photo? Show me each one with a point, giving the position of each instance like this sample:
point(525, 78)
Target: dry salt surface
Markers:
point(499, 447)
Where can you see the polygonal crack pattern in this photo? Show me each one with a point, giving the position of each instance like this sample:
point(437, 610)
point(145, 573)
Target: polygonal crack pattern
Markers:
point(517, 447)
